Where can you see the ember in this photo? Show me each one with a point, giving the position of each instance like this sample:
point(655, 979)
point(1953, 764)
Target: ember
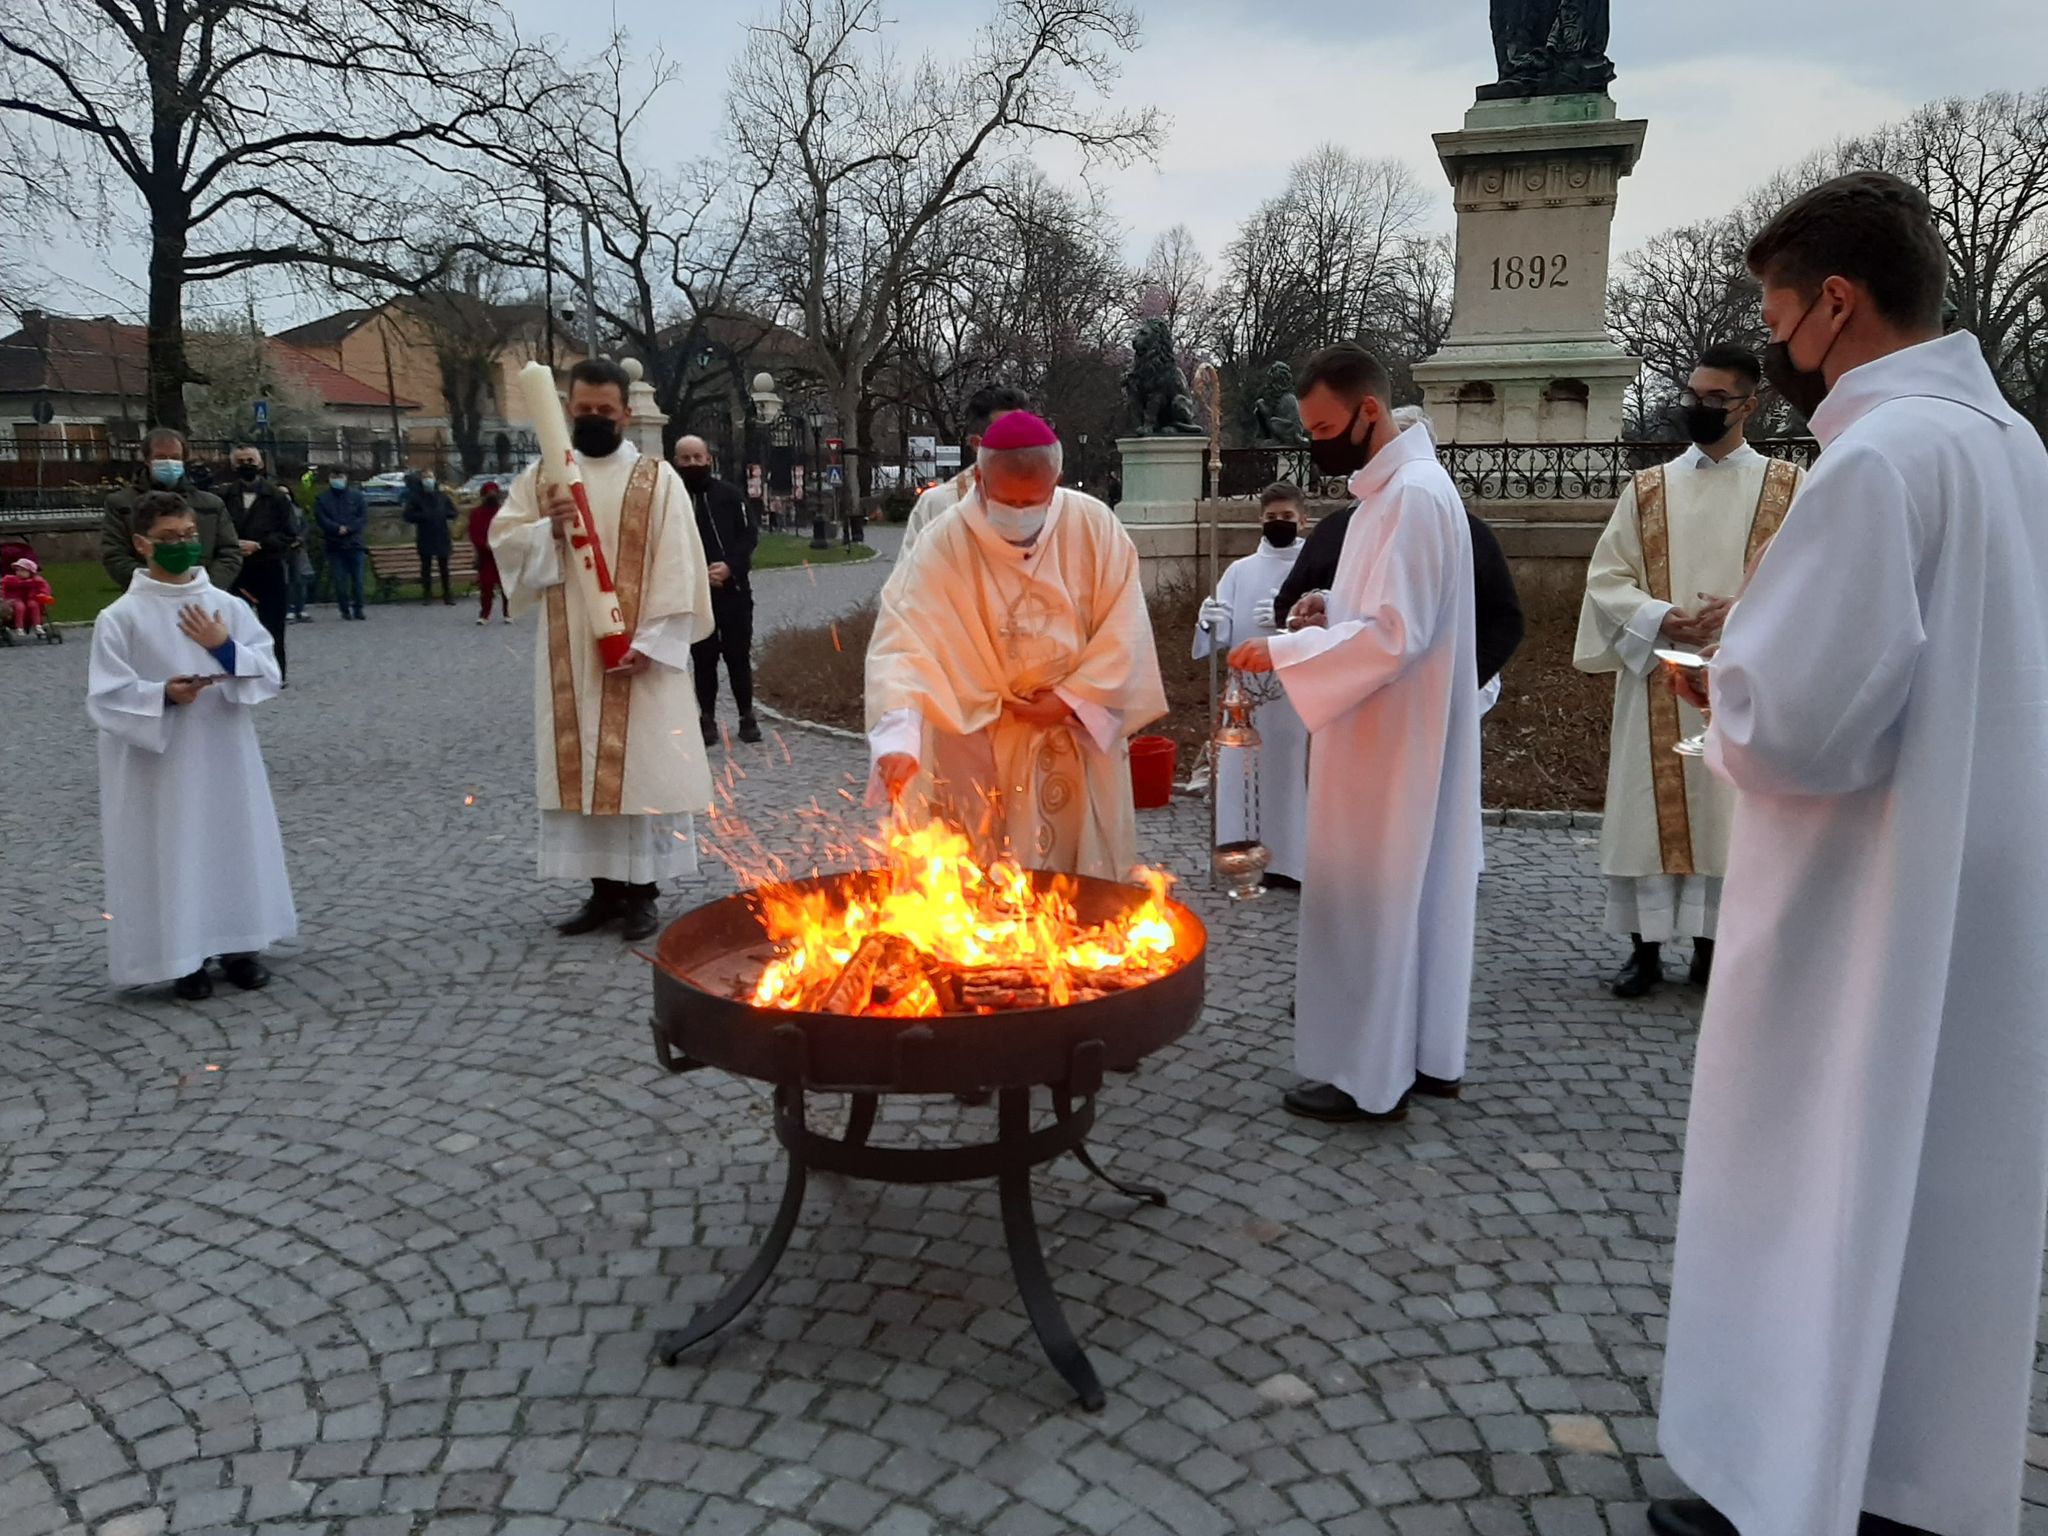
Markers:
point(941, 933)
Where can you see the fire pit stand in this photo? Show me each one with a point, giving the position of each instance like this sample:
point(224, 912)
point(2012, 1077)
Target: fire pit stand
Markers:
point(1009, 1159)
point(1066, 1050)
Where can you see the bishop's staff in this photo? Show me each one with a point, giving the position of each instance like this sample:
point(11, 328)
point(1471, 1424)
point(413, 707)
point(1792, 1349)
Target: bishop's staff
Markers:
point(593, 576)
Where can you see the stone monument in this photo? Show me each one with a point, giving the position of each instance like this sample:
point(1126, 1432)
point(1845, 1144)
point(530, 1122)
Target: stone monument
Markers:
point(1535, 171)
point(648, 418)
point(1162, 459)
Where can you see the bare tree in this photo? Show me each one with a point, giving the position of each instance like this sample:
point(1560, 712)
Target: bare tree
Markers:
point(872, 152)
point(251, 131)
point(1174, 283)
point(1680, 293)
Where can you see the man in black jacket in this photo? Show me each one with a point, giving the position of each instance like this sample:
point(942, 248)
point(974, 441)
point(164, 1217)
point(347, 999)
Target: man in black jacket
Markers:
point(727, 529)
point(267, 524)
point(163, 455)
point(1497, 609)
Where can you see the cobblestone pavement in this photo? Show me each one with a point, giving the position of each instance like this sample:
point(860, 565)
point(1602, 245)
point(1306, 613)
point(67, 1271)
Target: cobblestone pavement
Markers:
point(382, 1250)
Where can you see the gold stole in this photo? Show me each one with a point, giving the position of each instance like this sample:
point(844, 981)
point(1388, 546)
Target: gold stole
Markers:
point(1667, 768)
point(629, 570)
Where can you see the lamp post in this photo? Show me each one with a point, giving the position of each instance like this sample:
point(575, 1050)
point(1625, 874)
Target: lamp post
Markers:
point(764, 408)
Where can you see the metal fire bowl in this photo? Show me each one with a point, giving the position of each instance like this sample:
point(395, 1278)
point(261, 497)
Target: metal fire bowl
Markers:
point(704, 954)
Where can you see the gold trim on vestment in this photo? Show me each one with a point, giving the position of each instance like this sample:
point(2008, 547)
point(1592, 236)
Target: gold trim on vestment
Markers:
point(1667, 768)
point(1781, 479)
point(615, 698)
point(562, 694)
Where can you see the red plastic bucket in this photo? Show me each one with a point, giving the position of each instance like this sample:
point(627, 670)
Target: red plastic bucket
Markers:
point(1152, 760)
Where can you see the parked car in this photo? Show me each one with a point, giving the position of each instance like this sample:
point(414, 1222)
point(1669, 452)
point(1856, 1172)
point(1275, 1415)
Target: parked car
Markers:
point(385, 490)
point(471, 491)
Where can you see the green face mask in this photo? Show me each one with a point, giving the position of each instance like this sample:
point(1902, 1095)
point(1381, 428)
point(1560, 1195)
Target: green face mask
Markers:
point(175, 557)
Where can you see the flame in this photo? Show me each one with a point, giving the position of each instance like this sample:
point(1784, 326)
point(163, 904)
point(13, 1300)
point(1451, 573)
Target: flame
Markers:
point(962, 916)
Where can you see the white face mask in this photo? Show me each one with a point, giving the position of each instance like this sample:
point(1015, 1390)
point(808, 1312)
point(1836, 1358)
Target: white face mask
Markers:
point(1016, 525)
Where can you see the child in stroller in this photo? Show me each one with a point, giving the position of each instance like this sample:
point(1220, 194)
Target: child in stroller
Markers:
point(25, 597)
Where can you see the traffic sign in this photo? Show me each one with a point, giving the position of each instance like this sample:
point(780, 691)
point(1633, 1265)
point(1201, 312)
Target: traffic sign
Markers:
point(44, 413)
point(262, 413)
point(835, 476)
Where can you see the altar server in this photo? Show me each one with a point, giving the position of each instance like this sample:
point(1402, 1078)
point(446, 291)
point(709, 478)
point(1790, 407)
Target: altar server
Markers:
point(985, 407)
point(619, 760)
point(1856, 1287)
point(1012, 660)
point(1387, 692)
point(1242, 609)
point(194, 863)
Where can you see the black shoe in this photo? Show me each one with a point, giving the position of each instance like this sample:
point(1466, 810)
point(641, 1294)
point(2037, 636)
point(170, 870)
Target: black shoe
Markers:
point(710, 728)
point(603, 907)
point(750, 729)
point(245, 971)
point(1688, 1517)
point(1280, 882)
point(1438, 1087)
point(1326, 1101)
point(194, 988)
point(1877, 1525)
point(1702, 962)
point(1643, 974)
point(638, 918)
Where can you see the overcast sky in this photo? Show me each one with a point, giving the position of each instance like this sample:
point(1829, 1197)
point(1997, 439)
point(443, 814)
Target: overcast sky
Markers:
point(1732, 90)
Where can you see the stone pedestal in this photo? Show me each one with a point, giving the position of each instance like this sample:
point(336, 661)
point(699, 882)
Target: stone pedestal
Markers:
point(1528, 358)
point(648, 418)
point(1162, 477)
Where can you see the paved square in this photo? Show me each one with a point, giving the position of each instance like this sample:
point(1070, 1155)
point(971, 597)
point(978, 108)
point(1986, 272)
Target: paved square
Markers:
point(382, 1250)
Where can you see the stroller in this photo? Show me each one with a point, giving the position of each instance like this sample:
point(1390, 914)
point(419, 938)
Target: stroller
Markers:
point(14, 548)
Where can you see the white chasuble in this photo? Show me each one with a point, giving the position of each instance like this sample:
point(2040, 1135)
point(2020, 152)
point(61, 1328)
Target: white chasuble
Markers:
point(619, 761)
point(1283, 739)
point(1856, 1288)
point(194, 862)
point(1383, 983)
point(931, 505)
point(970, 622)
point(1685, 529)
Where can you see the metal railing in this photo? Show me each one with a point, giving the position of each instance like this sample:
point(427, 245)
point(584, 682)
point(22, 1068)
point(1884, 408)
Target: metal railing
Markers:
point(1495, 471)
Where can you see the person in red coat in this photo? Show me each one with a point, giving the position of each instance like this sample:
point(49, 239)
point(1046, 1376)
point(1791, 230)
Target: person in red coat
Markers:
point(28, 597)
point(487, 582)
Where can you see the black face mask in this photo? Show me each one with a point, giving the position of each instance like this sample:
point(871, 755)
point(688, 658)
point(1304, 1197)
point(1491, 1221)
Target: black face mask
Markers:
point(1803, 388)
point(1280, 531)
point(594, 436)
point(1339, 455)
point(249, 472)
point(697, 478)
point(1704, 424)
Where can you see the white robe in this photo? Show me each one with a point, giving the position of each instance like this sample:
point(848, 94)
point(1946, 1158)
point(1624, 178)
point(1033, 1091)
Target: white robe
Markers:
point(1856, 1288)
point(194, 862)
point(1709, 509)
point(931, 505)
point(1384, 979)
point(1283, 739)
point(666, 776)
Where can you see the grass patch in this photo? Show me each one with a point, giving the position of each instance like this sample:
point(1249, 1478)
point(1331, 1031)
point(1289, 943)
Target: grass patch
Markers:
point(82, 588)
point(779, 551)
point(1545, 743)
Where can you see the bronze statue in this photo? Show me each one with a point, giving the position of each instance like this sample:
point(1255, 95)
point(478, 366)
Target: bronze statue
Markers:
point(1155, 388)
point(1277, 413)
point(1549, 48)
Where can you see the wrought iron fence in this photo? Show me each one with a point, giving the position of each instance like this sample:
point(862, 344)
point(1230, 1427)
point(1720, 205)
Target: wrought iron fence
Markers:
point(1495, 471)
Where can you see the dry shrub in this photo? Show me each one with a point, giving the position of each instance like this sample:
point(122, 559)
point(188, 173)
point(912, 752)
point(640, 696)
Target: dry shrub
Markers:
point(815, 671)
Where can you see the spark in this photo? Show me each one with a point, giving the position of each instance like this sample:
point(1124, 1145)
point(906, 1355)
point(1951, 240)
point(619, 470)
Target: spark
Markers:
point(808, 571)
point(107, 917)
point(845, 795)
point(782, 744)
point(835, 638)
point(211, 1067)
point(469, 799)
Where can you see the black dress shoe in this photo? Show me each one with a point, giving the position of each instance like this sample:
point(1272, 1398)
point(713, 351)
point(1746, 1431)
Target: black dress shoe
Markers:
point(1877, 1525)
point(603, 907)
point(1702, 962)
point(1643, 974)
point(245, 971)
point(1280, 882)
point(710, 733)
point(750, 729)
point(1326, 1101)
point(1688, 1517)
point(1438, 1087)
point(194, 988)
point(638, 918)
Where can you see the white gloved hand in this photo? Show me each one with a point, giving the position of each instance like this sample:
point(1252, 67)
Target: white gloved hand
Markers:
point(1215, 618)
point(1262, 612)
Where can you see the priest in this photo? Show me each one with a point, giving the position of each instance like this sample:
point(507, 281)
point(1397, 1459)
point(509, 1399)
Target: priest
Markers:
point(1241, 609)
point(620, 767)
point(1012, 660)
point(1663, 575)
point(986, 406)
point(1385, 687)
point(1856, 1288)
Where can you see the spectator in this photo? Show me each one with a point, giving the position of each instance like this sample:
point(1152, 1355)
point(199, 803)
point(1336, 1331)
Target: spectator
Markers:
point(268, 525)
point(488, 584)
point(431, 511)
point(28, 598)
point(163, 454)
point(344, 519)
point(727, 529)
point(304, 577)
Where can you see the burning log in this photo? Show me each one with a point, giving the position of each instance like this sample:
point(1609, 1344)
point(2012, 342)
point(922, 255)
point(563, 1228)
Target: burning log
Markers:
point(885, 969)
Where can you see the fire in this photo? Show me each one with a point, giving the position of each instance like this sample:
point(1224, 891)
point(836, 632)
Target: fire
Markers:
point(942, 933)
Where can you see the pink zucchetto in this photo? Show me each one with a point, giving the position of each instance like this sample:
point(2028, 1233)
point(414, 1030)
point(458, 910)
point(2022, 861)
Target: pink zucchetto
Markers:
point(1017, 429)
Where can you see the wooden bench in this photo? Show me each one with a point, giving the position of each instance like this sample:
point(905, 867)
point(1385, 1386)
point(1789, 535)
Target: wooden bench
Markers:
point(394, 565)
